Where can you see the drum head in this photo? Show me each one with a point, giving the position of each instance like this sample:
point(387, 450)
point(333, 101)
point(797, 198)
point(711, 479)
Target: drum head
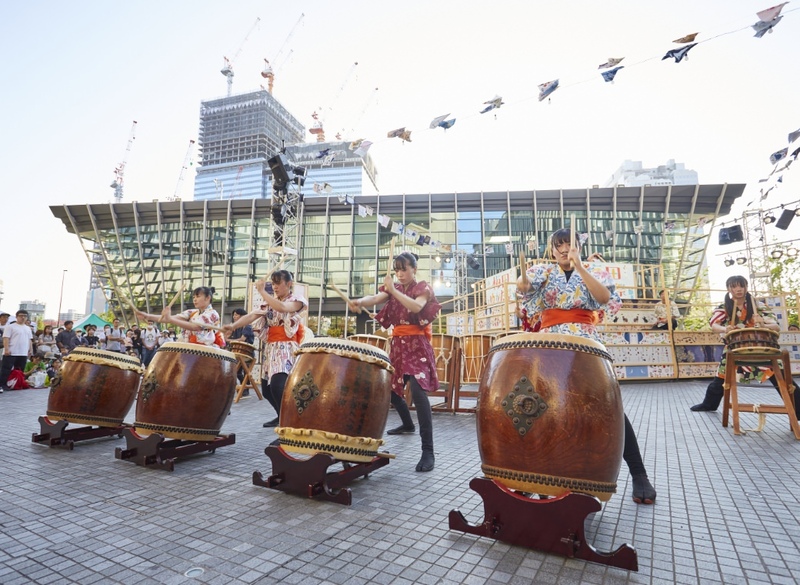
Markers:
point(549, 339)
point(197, 348)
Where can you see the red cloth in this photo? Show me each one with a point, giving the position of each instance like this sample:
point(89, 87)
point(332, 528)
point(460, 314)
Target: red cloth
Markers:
point(401, 330)
point(278, 333)
point(552, 317)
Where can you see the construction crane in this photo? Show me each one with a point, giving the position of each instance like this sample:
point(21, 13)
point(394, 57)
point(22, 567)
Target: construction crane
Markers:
point(177, 195)
point(119, 172)
point(269, 73)
point(227, 68)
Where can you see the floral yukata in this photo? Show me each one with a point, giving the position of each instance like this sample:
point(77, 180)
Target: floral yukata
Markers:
point(720, 317)
point(411, 355)
point(551, 289)
point(207, 316)
point(279, 355)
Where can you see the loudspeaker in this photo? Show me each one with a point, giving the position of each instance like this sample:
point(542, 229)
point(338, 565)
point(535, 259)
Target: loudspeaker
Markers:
point(730, 235)
point(785, 219)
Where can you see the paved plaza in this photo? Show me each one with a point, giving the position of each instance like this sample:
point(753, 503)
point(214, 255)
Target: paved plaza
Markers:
point(727, 509)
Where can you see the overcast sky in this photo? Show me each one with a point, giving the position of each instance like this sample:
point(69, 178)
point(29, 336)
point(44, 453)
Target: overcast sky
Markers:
point(77, 74)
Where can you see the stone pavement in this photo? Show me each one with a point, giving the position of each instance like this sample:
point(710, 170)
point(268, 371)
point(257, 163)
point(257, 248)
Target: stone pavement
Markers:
point(726, 512)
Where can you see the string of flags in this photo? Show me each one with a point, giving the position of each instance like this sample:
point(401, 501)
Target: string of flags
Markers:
point(781, 160)
point(768, 19)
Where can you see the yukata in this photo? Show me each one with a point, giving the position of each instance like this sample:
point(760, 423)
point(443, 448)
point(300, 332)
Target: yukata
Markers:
point(720, 317)
point(209, 337)
point(551, 289)
point(411, 352)
point(282, 334)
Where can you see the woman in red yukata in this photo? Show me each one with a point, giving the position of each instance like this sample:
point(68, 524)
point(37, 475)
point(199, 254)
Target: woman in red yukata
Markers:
point(410, 309)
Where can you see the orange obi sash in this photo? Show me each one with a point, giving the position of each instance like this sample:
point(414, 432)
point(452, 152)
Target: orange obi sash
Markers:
point(219, 340)
point(278, 333)
point(552, 317)
point(402, 330)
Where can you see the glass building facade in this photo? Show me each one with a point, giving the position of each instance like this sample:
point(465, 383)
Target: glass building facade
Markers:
point(146, 250)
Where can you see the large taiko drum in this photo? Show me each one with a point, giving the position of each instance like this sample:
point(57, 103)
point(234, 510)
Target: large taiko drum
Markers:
point(550, 417)
point(336, 400)
point(186, 392)
point(753, 340)
point(94, 387)
point(381, 343)
point(475, 349)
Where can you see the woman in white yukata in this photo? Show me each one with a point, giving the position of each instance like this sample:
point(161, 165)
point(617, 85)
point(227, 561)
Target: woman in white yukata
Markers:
point(194, 322)
point(569, 295)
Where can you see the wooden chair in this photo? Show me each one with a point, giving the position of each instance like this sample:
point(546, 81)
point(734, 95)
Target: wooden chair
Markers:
point(785, 387)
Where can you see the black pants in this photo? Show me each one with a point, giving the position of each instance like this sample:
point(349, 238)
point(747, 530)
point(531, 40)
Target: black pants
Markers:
point(631, 453)
point(9, 363)
point(273, 391)
point(424, 413)
point(716, 391)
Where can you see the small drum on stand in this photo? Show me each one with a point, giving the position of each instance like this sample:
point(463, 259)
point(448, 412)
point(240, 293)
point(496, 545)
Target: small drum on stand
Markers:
point(476, 352)
point(381, 343)
point(753, 340)
point(550, 417)
point(242, 348)
point(187, 392)
point(94, 387)
point(336, 400)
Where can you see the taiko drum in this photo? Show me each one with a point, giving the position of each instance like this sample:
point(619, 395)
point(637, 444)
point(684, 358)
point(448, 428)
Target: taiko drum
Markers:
point(94, 387)
point(753, 340)
point(246, 350)
point(550, 417)
point(186, 392)
point(336, 400)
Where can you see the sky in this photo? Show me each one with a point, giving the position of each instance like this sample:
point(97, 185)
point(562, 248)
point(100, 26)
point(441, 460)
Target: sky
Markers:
point(77, 74)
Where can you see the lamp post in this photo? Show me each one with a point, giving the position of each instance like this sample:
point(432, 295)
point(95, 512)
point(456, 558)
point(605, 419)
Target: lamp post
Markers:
point(60, 298)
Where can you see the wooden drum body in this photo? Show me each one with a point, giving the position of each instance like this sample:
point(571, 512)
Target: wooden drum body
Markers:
point(755, 340)
point(445, 349)
point(476, 353)
point(550, 417)
point(382, 343)
point(187, 392)
point(94, 387)
point(336, 400)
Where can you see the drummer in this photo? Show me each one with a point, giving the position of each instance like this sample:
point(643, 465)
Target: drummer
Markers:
point(740, 310)
point(569, 295)
point(281, 331)
point(411, 308)
point(194, 322)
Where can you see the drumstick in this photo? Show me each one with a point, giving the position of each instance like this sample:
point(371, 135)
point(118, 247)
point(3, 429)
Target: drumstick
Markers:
point(346, 299)
point(386, 455)
point(391, 258)
point(177, 294)
point(571, 236)
point(523, 265)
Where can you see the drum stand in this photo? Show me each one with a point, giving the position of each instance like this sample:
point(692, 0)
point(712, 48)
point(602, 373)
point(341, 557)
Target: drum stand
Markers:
point(554, 525)
point(157, 451)
point(310, 477)
point(245, 363)
point(56, 435)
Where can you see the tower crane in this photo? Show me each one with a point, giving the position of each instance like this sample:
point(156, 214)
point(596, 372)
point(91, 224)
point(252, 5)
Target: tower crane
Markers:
point(269, 73)
point(227, 68)
point(119, 172)
point(177, 195)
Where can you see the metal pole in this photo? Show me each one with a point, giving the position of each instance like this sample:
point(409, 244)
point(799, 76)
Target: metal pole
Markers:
point(60, 298)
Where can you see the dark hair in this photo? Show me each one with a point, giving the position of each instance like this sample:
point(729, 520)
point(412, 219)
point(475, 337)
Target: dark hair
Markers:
point(280, 276)
point(68, 323)
point(206, 291)
point(239, 311)
point(22, 312)
point(738, 280)
point(404, 260)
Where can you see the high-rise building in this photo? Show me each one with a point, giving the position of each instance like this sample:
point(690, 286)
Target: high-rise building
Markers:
point(238, 134)
point(631, 173)
point(35, 309)
point(333, 169)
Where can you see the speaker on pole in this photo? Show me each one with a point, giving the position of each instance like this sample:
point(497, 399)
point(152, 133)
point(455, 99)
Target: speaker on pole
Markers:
point(730, 235)
point(785, 219)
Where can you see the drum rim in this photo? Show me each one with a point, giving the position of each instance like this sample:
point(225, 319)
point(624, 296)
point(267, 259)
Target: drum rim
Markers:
point(770, 332)
point(553, 337)
point(199, 348)
point(81, 354)
point(235, 342)
point(357, 345)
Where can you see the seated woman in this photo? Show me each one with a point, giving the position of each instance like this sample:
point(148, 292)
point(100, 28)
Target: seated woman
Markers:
point(660, 312)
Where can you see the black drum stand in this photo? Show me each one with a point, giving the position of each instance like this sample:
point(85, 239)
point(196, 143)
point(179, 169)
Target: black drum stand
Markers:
point(310, 477)
point(554, 525)
point(55, 434)
point(155, 450)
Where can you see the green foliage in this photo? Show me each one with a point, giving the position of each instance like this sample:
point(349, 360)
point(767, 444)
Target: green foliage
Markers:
point(107, 316)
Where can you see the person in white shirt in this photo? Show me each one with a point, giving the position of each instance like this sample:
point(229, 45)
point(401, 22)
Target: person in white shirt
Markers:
point(150, 337)
point(17, 347)
point(115, 338)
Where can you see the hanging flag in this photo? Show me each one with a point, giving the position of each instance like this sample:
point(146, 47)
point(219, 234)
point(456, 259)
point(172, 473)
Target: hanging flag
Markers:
point(768, 19)
point(356, 143)
point(342, 199)
point(509, 248)
point(397, 227)
point(610, 63)
point(609, 234)
point(778, 155)
point(611, 73)
point(362, 149)
point(686, 39)
point(583, 238)
point(420, 240)
point(669, 226)
point(794, 135)
point(350, 200)
point(531, 245)
point(328, 160)
point(679, 54)
point(370, 211)
point(769, 14)
point(317, 188)
point(492, 104)
point(400, 133)
point(795, 152)
point(362, 211)
point(545, 89)
point(702, 221)
point(323, 153)
point(438, 120)
point(384, 220)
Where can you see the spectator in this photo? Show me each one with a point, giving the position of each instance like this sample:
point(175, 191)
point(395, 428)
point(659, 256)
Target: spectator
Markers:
point(115, 338)
point(165, 338)
point(793, 328)
point(46, 341)
point(128, 343)
point(66, 340)
point(137, 340)
point(91, 339)
point(149, 338)
point(54, 368)
point(17, 347)
point(35, 373)
point(660, 312)
point(102, 335)
point(3, 321)
point(79, 335)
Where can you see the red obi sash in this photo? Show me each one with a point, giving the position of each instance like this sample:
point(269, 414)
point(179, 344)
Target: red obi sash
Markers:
point(278, 333)
point(401, 330)
point(552, 317)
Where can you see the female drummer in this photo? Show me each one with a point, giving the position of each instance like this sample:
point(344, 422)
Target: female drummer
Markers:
point(411, 308)
point(740, 310)
point(281, 331)
point(199, 324)
point(569, 295)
